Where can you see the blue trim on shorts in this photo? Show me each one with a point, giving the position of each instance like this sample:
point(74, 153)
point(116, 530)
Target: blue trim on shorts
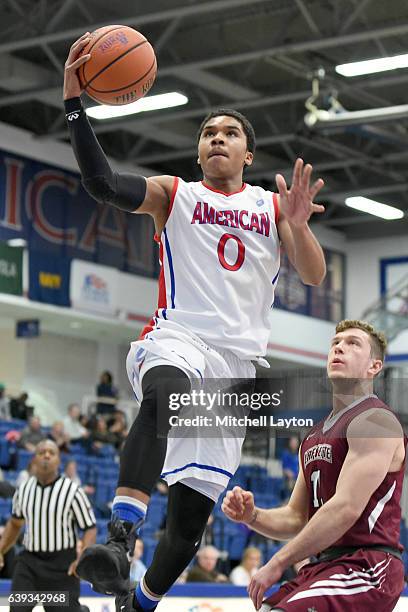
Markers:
point(211, 468)
point(169, 257)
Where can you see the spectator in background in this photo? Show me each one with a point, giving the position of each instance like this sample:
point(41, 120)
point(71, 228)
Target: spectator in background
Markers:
point(19, 408)
point(31, 435)
point(106, 390)
point(25, 474)
point(72, 473)
point(4, 404)
point(207, 538)
point(137, 567)
point(118, 428)
point(290, 464)
point(205, 569)
point(58, 435)
point(250, 563)
point(75, 431)
point(100, 436)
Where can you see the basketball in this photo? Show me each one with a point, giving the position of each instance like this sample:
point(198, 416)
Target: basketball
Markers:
point(122, 67)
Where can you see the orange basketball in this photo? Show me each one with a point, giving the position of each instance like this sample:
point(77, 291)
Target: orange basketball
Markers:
point(122, 66)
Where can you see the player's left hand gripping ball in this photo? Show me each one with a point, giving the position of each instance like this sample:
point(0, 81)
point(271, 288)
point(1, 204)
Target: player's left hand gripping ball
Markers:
point(297, 204)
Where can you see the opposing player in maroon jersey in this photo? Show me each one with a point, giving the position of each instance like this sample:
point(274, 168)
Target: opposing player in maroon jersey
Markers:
point(345, 507)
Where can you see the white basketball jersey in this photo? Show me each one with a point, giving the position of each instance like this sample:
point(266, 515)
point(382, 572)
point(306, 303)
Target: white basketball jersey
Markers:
point(220, 262)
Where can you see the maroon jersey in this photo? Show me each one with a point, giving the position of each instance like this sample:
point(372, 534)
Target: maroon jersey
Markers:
point(323, 452)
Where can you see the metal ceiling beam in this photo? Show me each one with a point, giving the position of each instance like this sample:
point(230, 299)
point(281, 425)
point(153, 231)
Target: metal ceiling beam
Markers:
point(330, 165)
point(217, 84)
point(307, 16)
point(60, 14)
point(167, 34)
point(16, 7)
point(361, 5)
point(133, 20)
point(354, 220)
point(367, 190)
point(296, 47)
point(186, 153)
point(53, 59)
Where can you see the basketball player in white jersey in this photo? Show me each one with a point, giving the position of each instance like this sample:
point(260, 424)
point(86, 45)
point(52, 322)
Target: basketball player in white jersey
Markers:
point(219, 249)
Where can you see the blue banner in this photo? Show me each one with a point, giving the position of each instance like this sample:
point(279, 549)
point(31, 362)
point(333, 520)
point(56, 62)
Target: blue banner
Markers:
point(49, 279)
point(49, 208)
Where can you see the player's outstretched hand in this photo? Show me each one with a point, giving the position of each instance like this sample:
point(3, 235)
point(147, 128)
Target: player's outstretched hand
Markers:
point(297, 203)
point(72, 86)
point(238, 505)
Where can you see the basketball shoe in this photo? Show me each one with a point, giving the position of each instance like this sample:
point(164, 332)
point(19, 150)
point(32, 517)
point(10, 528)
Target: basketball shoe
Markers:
point(106, 566)
point(127, 603)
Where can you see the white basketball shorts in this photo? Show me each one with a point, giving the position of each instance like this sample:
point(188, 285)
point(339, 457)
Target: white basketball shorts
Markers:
point(204, 464)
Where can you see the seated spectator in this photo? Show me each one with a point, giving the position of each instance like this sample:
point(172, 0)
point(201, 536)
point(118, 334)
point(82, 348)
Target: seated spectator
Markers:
point(100, 435)
point(118, 428)
point(25, 474)
point(207, 538)
point(31, 435)
point(4, 404)
point(71, 472)
point(58, 435)
point(19, 408)
point(106, 390)
point(290, 464)
point(137, 567)
point(75, 431)
point(205, 569)
point(250, 563)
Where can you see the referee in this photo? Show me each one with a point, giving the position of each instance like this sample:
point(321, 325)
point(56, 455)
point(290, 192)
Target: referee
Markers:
point(50, 506)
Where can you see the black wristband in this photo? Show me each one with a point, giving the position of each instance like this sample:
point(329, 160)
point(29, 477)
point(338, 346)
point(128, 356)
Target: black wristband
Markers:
point(72, 105)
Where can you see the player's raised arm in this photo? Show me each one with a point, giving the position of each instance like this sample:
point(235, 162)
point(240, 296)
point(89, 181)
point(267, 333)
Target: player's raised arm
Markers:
point(129, 192)
point(296, 207)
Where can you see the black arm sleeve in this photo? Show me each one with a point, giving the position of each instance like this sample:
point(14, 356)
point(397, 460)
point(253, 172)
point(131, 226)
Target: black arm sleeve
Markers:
point(123, 190)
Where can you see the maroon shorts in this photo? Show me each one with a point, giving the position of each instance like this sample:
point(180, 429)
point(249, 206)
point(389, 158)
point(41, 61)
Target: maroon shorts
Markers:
point(363, 581)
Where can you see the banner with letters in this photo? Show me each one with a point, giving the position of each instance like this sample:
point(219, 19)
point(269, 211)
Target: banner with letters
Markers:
point(49, 279)
point(11, 269)
point(49, 208)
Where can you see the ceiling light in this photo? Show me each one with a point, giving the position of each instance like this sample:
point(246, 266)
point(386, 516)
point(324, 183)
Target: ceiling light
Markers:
point(167, 100)
point(329, 119)
point(374, 208)
point(374, 65)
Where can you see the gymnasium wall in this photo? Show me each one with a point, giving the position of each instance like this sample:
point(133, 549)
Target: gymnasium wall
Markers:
point(363, 264)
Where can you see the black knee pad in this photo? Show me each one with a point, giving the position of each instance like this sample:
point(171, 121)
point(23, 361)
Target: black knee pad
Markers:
point(143, 454)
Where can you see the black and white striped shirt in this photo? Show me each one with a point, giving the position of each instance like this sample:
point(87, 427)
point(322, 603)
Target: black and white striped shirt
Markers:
point(51, 513)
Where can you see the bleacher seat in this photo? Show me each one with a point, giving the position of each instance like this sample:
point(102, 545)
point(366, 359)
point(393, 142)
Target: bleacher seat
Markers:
point(23, 459)
point(5, 455)
point(5, 510)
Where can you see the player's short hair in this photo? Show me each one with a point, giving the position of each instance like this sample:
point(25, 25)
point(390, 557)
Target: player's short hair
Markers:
point(378, 340)
point(230, 112)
